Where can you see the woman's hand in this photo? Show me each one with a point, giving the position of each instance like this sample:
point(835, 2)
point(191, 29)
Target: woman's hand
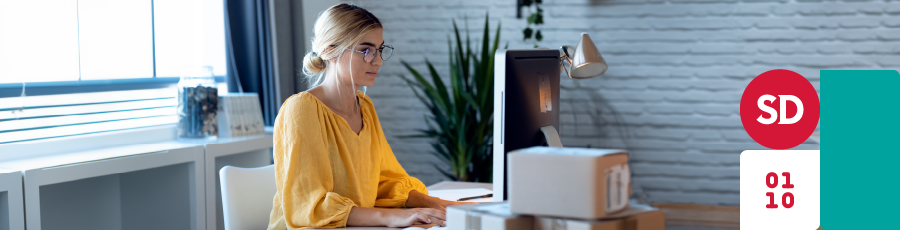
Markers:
point(396, 218)
point(420, 200)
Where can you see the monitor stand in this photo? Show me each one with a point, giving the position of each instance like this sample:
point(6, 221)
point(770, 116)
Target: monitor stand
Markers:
point(551, 136)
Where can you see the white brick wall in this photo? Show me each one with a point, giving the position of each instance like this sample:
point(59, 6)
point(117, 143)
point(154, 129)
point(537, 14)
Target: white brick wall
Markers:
point(677, 71)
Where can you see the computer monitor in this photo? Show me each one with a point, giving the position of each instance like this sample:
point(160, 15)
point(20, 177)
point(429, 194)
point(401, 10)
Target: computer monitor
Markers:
point(526, 98)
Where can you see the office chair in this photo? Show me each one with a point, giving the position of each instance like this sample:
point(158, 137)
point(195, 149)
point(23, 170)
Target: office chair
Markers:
point(247, 196)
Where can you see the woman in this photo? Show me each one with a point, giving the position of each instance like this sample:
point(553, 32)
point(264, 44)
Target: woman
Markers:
point(334, 167)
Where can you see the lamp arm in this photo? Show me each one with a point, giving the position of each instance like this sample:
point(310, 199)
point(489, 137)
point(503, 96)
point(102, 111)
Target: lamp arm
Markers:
point(566, 58)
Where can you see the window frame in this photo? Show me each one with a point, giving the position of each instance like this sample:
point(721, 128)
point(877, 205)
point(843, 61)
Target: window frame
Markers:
point(105, 85)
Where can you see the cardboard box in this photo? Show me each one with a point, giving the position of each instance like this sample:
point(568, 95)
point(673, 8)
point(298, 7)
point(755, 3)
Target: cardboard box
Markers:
point(568, 182)
point(550, 223)
point(652, 220)
point(637, 217)
point(486, 216)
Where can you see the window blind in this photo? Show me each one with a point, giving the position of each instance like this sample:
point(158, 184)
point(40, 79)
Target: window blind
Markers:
point(40, 117)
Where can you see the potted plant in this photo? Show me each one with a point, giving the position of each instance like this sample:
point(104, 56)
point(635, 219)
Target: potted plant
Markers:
point(460, 118)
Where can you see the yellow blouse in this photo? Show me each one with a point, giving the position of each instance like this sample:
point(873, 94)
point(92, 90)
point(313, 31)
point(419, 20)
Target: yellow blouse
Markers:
point(323, 168)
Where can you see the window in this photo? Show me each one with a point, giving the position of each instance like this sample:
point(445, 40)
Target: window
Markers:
point(71, 67)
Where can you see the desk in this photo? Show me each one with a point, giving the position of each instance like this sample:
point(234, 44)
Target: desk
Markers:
point(439, 186)
point(459, 185)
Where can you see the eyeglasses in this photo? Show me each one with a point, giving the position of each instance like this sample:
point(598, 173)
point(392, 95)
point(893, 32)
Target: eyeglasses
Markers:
point(369, 53)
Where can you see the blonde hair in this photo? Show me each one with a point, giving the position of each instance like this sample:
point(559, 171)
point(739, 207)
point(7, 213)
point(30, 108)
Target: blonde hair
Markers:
point(340, 26)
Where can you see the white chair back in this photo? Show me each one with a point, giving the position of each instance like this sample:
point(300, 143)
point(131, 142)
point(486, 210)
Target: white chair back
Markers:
point(247, 196)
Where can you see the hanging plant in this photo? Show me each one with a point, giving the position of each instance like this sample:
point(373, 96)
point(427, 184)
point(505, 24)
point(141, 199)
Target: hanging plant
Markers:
point(535, 19)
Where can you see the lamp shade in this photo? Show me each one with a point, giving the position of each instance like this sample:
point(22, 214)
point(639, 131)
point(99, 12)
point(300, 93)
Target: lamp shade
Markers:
point(585, 60)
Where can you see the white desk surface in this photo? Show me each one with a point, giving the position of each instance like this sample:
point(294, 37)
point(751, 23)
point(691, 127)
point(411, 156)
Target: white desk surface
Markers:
point(223, 140)
point(459, 185)
point(439, 186)
point(234, 145)
point(89, 156)
point(120, 151)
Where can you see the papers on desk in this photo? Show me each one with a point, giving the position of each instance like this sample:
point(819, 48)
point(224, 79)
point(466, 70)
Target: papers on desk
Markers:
point(501, 209)
point(456, 194)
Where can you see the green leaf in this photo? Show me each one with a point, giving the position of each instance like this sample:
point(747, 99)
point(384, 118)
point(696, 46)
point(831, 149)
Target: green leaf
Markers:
point(448, 175)
point(428, 90)
point(538, 36)
point(471, 100)
point(438, 83)
point(485, 51)
point(442, 152)
point(412, 85)
point(528, 32)
point(466, 77)
point(538, 18)
point(486, 90)
point(532, 18)
point(462, 60)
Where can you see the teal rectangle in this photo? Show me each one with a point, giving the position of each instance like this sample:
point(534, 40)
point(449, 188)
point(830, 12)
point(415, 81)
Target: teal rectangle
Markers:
point(860, 120)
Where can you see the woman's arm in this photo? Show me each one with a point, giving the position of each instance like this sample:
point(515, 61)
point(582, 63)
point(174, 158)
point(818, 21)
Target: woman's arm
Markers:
point(420, 200)
point(394, 218)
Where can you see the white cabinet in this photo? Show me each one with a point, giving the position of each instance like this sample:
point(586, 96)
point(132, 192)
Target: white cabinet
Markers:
point(146, 186)
point(165, 185)
point(12, 211)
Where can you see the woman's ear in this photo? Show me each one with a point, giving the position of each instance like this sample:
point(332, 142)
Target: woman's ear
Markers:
point(331, 60)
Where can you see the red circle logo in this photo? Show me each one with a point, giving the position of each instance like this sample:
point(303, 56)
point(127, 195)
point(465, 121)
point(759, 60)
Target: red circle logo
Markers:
point(780, 109)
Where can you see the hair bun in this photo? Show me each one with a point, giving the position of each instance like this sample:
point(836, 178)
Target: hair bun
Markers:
point(313, 64)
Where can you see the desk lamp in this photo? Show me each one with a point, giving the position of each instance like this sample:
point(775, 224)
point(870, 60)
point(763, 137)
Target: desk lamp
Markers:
point(584, 61)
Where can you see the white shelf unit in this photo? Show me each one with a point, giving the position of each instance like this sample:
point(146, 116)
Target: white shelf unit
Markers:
point(12, 209)
point(245, 152)
point(143, 186)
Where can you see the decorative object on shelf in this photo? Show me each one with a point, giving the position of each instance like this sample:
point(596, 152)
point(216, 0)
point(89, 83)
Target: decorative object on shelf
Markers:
point(197, 103)
point(460, 120)
point(240, 115)
point(535, 18)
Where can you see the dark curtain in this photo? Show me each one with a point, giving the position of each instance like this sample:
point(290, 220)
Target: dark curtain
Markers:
point(249, 51)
